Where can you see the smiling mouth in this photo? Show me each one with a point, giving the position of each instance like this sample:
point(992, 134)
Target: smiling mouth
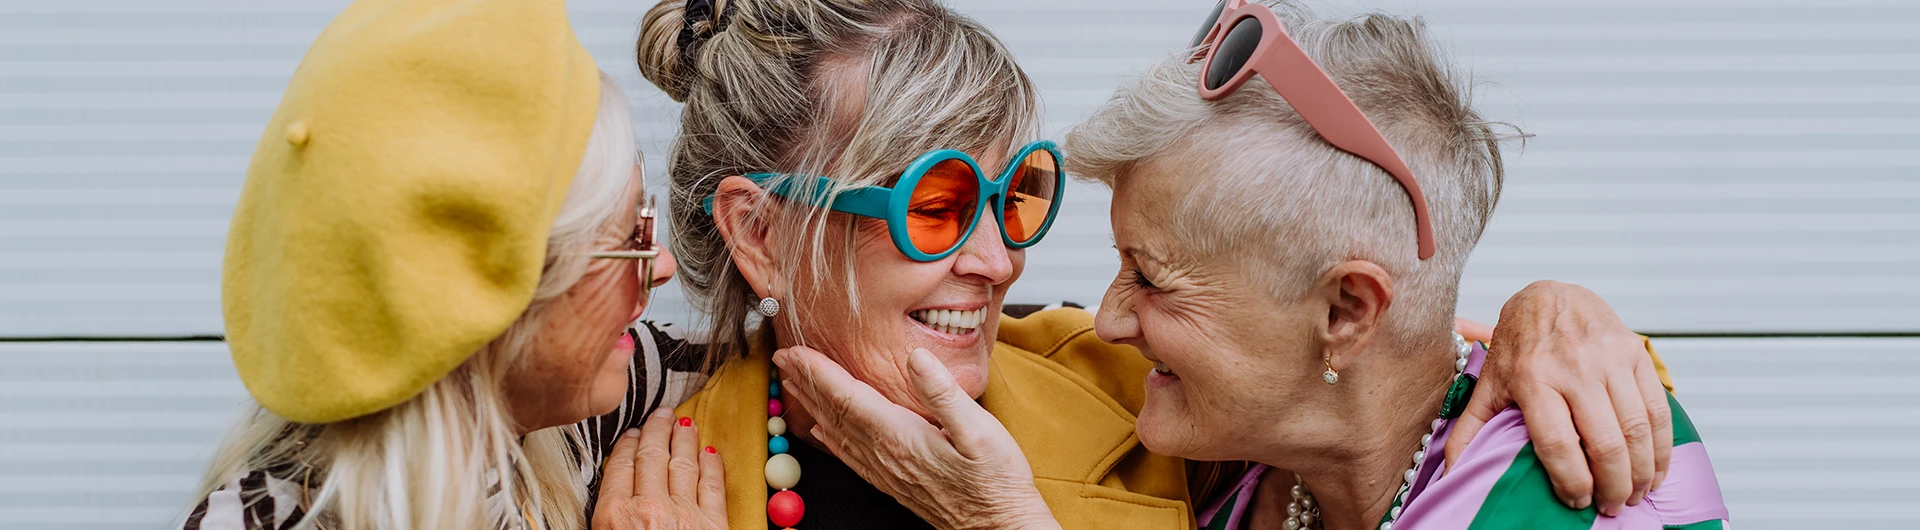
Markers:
point(1162, 369)
point(949, 321)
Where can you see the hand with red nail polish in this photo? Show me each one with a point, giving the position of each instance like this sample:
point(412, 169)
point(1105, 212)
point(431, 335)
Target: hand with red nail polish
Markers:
point(657, 477)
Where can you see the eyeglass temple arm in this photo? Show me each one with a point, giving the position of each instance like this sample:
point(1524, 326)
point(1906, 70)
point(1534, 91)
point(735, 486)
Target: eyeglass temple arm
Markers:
point(1314, 95)
point(868, 201)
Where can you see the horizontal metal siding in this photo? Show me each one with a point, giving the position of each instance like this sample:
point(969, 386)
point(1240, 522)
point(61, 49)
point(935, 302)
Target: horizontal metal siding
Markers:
point(1705, 165)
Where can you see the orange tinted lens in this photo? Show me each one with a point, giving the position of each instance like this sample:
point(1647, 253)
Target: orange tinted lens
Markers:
point(943, 206)
point(1030, 196)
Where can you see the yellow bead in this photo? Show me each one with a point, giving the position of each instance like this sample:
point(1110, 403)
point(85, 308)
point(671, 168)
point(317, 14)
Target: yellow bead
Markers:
point(783, 472)
point(776, 426)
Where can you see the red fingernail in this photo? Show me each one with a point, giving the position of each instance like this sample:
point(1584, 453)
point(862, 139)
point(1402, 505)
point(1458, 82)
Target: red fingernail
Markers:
point(711, 451)
point(686, 422)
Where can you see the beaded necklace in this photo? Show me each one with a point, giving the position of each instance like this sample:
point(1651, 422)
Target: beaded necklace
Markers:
point(784, 507)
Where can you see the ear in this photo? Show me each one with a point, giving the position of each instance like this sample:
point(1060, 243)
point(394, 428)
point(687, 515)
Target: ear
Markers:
point(1357, 294)
point(737, 215)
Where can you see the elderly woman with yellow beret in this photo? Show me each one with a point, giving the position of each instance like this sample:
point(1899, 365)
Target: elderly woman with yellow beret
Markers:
point(428, 285)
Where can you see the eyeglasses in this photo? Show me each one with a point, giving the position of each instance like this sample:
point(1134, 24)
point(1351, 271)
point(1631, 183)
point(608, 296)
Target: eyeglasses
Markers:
point(1244, 39)
point(640, 245)
point(946, 193)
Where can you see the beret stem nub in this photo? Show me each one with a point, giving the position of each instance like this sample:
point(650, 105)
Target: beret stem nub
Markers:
point(297, 133)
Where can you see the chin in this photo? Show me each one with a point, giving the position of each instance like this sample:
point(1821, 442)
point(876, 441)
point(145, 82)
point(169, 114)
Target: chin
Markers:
point(609, 390)
point(1167, 432)
point(972, 378)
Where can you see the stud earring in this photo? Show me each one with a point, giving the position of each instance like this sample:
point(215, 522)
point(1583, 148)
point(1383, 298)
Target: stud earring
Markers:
point(1329, 376)
point(768, 307)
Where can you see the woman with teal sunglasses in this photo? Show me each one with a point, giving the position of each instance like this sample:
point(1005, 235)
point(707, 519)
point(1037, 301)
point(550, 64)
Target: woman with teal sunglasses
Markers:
point(930, 211)
point(826, 193)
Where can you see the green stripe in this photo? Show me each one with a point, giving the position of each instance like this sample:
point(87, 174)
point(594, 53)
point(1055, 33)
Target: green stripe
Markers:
point(1523, 500)
point(1683, 431)
point(1702, 525)
point(1220, 518)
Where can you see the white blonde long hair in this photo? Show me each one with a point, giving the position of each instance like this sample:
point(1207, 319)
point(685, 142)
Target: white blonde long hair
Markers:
point(450, 457)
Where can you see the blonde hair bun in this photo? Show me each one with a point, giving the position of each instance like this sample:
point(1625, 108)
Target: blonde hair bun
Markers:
point(663, 58)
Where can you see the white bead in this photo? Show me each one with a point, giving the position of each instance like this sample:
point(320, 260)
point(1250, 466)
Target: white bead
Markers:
point(1386, 525)
point(1409, 475)
point(1437, 423)
point(1393, 513)
point(1425, 441)
point(1307, 503)
point(776, 426)
point(1306, 520)
point(1293, 524)
point(783, 472)
point(1293, 509)
point(1460, 365)
point(1299, 491)
point(1419, 456)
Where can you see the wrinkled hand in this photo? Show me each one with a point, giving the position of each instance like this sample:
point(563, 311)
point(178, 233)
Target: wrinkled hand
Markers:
point(966, 473)
point(1580, 377)
point(658, 478)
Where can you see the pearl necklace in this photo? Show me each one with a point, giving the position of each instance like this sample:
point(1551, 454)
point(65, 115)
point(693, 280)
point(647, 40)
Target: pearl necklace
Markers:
point(784, 508)
point(1302, 511)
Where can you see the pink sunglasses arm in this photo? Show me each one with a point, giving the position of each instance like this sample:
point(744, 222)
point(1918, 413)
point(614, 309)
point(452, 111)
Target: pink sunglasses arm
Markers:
point(1318, 100)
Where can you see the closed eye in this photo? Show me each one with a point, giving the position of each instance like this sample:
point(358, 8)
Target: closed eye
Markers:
point(1140, 280)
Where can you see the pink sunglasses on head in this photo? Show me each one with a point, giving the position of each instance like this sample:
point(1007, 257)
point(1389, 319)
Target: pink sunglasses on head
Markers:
point(1243, 39)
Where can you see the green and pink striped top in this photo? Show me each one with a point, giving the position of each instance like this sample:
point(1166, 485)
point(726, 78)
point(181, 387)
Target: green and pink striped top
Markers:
point(1498, 483)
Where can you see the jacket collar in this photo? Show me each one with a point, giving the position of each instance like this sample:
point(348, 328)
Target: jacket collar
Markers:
point(1069, 430)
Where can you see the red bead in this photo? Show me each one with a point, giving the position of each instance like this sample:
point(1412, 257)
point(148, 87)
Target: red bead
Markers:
point(785, 508)
point(774, 408)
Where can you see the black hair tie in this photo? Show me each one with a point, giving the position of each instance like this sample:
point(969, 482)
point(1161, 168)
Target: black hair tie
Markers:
point(698, 11)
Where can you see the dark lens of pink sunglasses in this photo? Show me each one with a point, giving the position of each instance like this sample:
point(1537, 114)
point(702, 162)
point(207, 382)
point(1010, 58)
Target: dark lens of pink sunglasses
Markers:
point(1206, 26)
point(1232, 51)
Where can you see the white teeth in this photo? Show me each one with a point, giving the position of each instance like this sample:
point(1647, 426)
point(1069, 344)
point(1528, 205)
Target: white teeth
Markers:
point(1162, 369)
point(950, 321)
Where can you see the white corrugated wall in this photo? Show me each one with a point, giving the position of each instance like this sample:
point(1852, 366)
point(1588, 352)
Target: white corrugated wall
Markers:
point(1709, 166)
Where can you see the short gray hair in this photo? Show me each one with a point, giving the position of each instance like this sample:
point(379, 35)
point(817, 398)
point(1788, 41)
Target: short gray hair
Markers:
point(1268, 177)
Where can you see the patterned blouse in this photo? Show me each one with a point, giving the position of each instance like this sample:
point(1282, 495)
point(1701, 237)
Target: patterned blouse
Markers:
point(665, 370)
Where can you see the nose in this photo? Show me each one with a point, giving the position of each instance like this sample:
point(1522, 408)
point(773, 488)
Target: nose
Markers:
point(984, 255)
point(663, 267)
point(1116, 323)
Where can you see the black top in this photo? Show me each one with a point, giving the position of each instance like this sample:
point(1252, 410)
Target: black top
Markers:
point(836, 497)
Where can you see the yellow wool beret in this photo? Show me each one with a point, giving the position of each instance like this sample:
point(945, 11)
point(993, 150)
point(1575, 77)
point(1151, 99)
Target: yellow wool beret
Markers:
point(395, 214)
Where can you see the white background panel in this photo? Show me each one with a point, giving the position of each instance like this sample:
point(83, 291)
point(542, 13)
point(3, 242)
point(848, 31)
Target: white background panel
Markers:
point(1705, 165)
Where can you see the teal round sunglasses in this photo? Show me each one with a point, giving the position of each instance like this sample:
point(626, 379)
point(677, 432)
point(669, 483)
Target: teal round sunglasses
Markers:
point(945, 194)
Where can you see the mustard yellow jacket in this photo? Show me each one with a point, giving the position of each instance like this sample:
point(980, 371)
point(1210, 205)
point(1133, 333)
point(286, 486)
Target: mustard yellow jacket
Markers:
point(1068, 399)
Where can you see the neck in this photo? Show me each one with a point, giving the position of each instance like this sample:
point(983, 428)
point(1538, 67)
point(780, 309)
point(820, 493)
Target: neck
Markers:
point(1385, 408)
